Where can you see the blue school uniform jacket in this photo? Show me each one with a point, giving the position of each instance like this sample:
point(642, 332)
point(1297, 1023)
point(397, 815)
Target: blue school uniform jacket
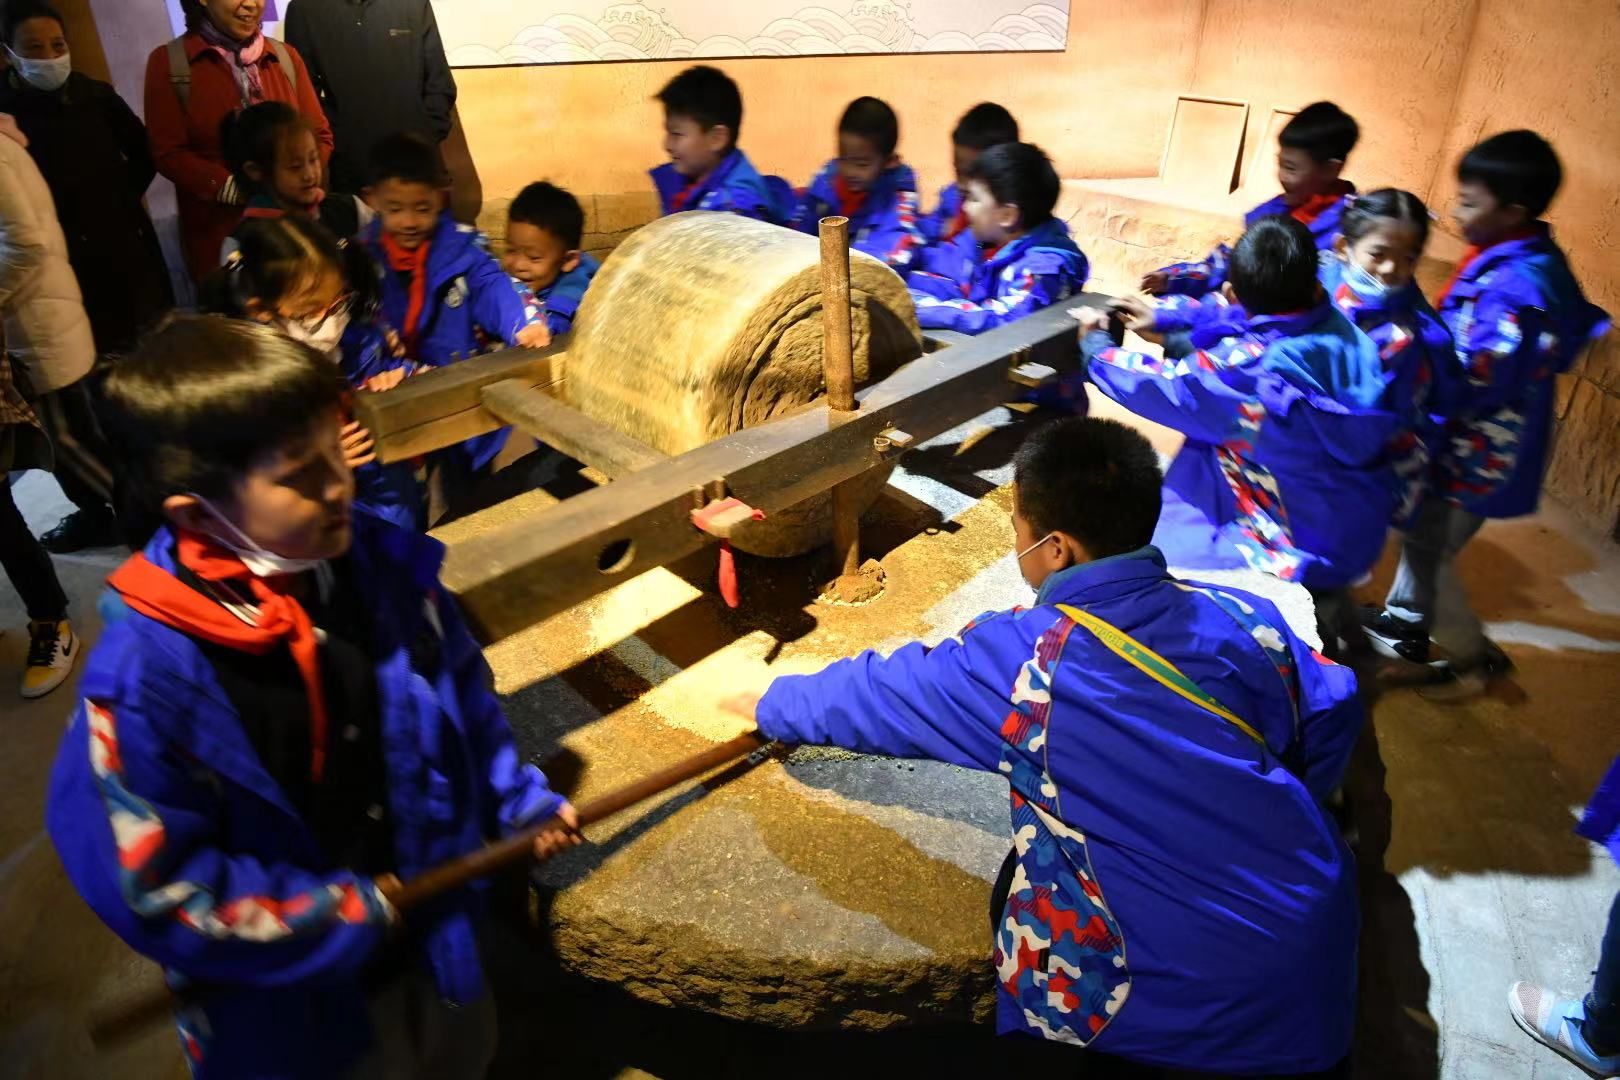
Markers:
point(1285, 468)
point(885, 224)
point(1601, 821)
point(1180, 897)
point(1519, 318)
point(470, 307)
point(559, 302)
point(1036, 270)
point(178, 838)
point(935, 224)
point(1208, 275)
point(387, 491)
point(734, 187)
point(1414, 347)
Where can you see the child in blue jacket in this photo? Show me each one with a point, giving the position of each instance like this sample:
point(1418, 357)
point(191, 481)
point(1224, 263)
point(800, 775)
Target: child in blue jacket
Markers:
point(1312, 150)
point(545, 226)
point(1370, 276)
point(442, 291)
point(1176, 894)
point(284, 716)
point(868, 184)
point(289, 272)
point(981, 127)
point(706, 171)
point(1519, 318)
point(1029, 261)
point(1285, 468)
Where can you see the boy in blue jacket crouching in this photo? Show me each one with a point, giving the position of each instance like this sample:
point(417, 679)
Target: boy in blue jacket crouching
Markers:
point(1176, 894)
point(284, 716)
point(1025, 260)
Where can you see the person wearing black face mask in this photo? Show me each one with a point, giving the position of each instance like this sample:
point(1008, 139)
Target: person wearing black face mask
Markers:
point(92, 150)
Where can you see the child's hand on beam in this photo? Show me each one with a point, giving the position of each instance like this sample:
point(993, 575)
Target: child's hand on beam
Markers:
point(537, 335)
point(1090, 318)
point(1137, 311)
point(358, 446)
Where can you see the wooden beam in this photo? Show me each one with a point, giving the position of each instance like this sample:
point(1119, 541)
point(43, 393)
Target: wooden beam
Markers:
point(445, 406)
point(535, 413)
point(513, 577)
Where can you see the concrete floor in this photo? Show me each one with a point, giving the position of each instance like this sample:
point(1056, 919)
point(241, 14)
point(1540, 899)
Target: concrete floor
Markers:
point(1472, 877)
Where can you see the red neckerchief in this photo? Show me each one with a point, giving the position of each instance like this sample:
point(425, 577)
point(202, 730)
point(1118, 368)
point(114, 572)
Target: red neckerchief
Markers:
point(1471, 255)
point(158, 594)
point(958, 223)
point(1314, 207)
point(414, 263)
point(677, 201)
point(263, 213)
point(849, 202)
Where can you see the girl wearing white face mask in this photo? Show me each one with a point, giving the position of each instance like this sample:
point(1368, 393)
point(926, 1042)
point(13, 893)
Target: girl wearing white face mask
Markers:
point(1370, 276)
point(291, 274)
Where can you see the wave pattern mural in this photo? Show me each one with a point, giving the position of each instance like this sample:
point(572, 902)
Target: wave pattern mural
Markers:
point(705, 29)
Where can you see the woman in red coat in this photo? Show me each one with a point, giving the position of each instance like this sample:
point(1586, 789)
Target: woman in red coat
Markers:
point(224, 63)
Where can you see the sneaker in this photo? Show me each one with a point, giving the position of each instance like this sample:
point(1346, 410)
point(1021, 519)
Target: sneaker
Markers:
point(1398, 639)
point(1556, 1023)
point(52, 652)
point(82, 529)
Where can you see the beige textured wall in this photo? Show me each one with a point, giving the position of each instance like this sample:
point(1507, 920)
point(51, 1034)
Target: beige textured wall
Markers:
point(1392, 64)
point(1101, 109)
point(1552, 66)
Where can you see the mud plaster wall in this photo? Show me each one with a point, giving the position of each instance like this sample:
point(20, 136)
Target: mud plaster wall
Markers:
point(1098, 108)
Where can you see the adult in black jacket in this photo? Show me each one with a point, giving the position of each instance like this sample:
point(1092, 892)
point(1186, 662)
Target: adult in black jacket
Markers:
point(93, 152)
point(379, 67)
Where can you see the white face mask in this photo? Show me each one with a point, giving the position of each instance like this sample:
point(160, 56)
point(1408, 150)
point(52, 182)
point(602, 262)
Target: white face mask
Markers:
point(1026, 551)
point(259, 562)
point(44, 75)
point(325, 338)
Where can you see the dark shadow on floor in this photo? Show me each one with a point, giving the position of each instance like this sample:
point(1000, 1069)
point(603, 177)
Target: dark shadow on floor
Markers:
point(1395, 1035)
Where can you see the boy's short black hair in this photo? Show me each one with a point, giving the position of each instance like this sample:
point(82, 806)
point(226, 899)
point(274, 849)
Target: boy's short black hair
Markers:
point(1020, 174)
point(1519, 168)
point(873, 120)
point(1323, 130)
point(407, 157)
point(547, 206)
point(1095, 480)
point(985, 125)
point(200, 401)
point(1273, 267)
point(16, 12)
point(707, 95)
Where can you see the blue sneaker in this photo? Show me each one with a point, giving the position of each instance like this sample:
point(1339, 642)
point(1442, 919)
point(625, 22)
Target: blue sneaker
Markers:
point(1556, 1023)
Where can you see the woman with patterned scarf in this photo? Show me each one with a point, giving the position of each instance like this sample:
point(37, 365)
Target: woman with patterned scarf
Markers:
point(221, 65)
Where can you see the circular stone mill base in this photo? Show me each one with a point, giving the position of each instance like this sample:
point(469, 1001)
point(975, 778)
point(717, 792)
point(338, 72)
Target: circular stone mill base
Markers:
point(820, 890)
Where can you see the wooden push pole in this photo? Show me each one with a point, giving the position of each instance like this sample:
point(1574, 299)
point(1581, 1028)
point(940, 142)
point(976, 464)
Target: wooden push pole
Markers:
point(118, 1024)
point(838, 369)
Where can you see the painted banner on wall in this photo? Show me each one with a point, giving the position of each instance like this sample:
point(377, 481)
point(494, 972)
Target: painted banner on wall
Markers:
point(489, 33)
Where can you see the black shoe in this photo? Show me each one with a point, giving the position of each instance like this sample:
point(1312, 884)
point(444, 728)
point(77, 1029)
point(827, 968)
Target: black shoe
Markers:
point(1494, 662)
point(1398, 639)
point(1378, 621)
point(82, 529)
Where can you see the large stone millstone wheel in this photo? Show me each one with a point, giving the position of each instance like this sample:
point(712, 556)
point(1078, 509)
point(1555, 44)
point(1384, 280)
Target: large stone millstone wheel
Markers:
point(703, 324)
